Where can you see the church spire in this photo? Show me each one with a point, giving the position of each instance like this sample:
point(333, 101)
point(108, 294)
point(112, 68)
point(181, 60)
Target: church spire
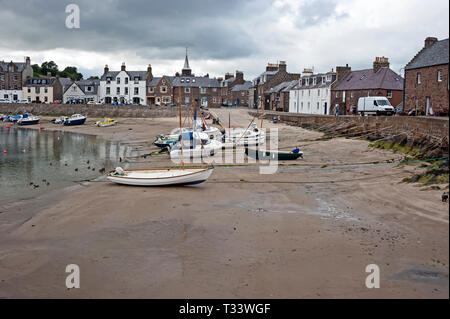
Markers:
point(186, 69)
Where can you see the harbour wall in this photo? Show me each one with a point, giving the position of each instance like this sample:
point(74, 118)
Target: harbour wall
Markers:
point(104, 110)
point(423, 132)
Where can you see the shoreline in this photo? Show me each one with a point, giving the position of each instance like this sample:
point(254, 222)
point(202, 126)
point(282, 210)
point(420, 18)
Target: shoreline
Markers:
point(306, 234)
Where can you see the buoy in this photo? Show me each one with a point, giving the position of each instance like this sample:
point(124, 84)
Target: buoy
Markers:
point(5, 152)
point(7, 127)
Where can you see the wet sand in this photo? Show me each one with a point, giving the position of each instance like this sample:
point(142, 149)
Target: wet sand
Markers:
point(295, 234)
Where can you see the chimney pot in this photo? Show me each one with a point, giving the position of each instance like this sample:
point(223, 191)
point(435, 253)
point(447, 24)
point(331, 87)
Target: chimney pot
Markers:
point(123, 68)
point(430, 41)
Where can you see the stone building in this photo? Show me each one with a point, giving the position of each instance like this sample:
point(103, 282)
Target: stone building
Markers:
point(274, 75)
point(12, 78)
point(377, 81)
point(82, 92)
point(238, 95)
point(42, 90)
point(312, 93)
point(124, 87)
point(426, 79)
point(278, 96)
point(202, 90)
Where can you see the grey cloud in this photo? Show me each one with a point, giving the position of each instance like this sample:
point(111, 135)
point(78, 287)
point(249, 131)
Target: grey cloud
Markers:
point(316, 12)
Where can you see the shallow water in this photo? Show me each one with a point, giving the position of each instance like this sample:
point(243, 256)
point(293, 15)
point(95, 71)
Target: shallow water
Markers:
point(37, 161)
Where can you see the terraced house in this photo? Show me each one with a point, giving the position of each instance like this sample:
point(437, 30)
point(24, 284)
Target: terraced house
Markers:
point(82, 92)
point(12, 78)
point(202, 90)
point(124, 87)
point(377, 81)
point(426, 79)
point(312, 93)
point(42, 90)
point(274, 75)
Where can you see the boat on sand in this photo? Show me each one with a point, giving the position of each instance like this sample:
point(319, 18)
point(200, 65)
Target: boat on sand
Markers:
point(159, 177)
point(273, 155)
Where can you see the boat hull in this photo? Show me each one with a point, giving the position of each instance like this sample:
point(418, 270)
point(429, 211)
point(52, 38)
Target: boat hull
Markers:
point(23, 123)
point(273, 155)
point(74, 122)
point(162, 177)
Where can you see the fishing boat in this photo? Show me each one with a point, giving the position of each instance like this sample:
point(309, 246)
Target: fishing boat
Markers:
point(273, 155)
point(194, 145)
point(158, 177)
point(76, 119)
point(15, 118)
point(164, 177)
point(29, 120)
point(106, 122)
point(163, 142)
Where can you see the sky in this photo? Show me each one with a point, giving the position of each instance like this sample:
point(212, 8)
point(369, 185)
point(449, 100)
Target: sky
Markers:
point(221, 35)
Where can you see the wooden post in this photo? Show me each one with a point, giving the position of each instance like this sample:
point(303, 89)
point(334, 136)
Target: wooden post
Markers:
point(181, 128)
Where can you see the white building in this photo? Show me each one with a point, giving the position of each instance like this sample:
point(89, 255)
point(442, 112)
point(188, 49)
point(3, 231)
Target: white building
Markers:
point(126, 87)
point(312, 94)
point(82, 92)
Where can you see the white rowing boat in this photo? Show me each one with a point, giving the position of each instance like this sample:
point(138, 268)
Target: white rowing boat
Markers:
point(158, 177)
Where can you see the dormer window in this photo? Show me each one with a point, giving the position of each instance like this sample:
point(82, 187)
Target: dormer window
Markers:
point(182, 80)
point(314, 81)
point(136, 80)
point(126, 80)
point(193, 80)
point(188, 80)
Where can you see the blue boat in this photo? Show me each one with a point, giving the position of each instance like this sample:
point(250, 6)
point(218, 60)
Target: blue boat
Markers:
point(29, 120)
point(15, 118)
point(76, 119)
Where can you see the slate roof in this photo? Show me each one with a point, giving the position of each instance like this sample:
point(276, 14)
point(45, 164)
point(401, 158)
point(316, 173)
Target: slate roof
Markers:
point(65, 82)
point(131, 74)
point(195, 81)
point(277, 88)
point(319, 83)
point(154, 81)
point(242, 87)
point(290, 86)
point(4, 66)
point(41, 82)
point(385, 79)
point(436, 54)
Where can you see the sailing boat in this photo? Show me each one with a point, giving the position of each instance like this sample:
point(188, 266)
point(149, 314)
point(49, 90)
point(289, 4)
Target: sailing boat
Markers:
point(158, 177)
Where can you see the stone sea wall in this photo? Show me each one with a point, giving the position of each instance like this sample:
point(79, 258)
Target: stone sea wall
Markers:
point(89, 110)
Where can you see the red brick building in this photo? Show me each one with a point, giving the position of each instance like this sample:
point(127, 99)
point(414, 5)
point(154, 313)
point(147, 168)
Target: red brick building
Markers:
point(12, 78)
point(238, 95)
point(274, 75)
point(426, 79)
point(378, 81)
point(278, 96)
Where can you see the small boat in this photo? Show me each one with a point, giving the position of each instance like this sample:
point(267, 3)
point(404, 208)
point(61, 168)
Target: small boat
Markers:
point(273, 155)
point(252, 136)
point(76, 119)
point(195, 145)
point(158, 177)
point(15, 118)
point(59, 120)
point(106, 122)
point(29, 120)
point(163, 142)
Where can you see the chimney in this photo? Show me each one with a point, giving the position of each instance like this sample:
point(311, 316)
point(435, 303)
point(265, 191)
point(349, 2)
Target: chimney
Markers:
point(49, 74)
point(239, 75)
point(380, 63)
point(271, 67)
point(149, 71)
point(27, 60)
point(220, 79)
point(282, 66)
point(228, 76)
point(342, 71)
point(123, 68)
point(106, 69)
point(430, 41)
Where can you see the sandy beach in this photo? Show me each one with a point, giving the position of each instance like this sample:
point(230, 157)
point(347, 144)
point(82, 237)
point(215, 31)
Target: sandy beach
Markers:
point(295, 234)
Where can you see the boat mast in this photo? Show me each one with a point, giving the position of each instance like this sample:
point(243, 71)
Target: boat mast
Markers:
point(181, 129)
point(262, 115)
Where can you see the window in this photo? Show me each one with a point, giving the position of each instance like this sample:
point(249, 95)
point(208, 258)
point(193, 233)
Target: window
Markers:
point(151, 89)
point(118, 80)
point(337, 94)
point(15, 77)
point(46, 90)
point(126, 80)
point(126, 91)
point(186, 99)
point(29, 90)
point(351, 94)
point(136, 91)
point(3, 77)
point(108, 90)
point(203, 90)
point(46, 99)
point(118, 91)
point(214, 89)
point(214, 100)
point(108, 80)
point(309, 92)
point(419, 78)
point(389, 94)
point(314, 81)
point(439, 75)
point(301, 105)
point(166, 99)
point(326, 92)
point(89, 88)
point(187, 90)
point(163, 89)
point(318, 105)
point(136, 80)
point(309, 105)
point(318, 92)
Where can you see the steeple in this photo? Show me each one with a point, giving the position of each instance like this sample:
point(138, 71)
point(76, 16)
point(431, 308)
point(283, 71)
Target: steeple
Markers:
point(186, 69)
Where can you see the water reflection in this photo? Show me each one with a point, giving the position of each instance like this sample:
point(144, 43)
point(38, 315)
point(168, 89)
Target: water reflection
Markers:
point(38, 161)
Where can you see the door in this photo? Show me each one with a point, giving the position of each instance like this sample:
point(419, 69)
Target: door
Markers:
point(325, 108)
point(428, 106)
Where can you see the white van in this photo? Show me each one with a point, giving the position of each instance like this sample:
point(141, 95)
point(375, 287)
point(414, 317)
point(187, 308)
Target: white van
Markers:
point(5, 101)
point(375, 105)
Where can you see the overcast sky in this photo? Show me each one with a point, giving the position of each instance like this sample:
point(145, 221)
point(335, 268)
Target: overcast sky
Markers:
point(222, 35)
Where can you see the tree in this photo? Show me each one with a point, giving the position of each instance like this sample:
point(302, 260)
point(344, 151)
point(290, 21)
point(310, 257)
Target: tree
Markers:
point(51, 67)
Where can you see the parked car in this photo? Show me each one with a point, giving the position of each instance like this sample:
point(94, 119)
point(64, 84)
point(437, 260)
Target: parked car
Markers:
point(23, 101)
point(93, 103)
point(56, 102)
point(375, 105)
point(5, 101)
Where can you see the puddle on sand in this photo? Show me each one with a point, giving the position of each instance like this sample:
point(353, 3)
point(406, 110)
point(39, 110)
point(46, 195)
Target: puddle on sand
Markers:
point(424, 276)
